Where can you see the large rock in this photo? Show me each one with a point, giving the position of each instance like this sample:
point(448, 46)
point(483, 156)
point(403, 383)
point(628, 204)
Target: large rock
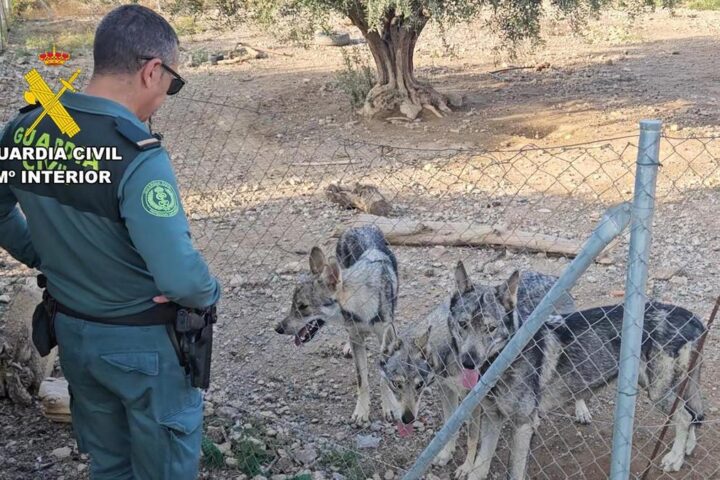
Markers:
point(55, 400)
point(62, 453)
point(367, 441)
point(21, 367)
point(306, 456)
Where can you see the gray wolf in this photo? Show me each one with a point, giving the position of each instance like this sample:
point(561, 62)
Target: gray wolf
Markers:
point(414, 361)
point(358, 290)
point(571, 356)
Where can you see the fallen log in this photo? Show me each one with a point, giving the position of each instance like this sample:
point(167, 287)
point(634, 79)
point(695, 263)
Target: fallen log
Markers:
point(231, 61)
point(407, 232)
point(265, 50)
point(55, 400)
point(323, 164)
point(366, 198)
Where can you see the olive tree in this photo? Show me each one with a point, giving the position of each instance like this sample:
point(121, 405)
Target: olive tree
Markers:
point(392, 29)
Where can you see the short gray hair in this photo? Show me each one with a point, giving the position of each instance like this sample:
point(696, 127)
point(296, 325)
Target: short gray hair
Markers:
point(128, 33)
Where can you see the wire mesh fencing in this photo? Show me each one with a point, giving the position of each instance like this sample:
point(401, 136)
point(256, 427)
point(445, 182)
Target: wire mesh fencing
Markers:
point(344, 363)
point(333, 363)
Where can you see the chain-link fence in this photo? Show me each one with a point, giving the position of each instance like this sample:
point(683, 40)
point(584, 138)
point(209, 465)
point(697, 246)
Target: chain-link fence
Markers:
point(260, 198)
point(285, 401)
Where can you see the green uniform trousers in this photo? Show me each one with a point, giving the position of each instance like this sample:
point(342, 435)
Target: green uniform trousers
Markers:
point(133, 408)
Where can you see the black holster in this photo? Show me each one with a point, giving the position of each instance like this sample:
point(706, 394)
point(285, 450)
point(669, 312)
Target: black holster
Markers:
point(43, 321)
point(192, 338)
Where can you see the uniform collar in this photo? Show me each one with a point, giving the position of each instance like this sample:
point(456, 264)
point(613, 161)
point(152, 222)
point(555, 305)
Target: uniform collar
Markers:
point(100, 105)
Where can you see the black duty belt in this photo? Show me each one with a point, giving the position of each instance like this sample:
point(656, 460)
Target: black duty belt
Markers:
point(160, 314)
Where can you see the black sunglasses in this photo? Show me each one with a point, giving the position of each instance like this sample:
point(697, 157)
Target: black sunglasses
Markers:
point(177, 82)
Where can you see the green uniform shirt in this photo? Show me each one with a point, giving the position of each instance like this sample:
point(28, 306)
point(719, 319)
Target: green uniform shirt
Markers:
point(108, 249)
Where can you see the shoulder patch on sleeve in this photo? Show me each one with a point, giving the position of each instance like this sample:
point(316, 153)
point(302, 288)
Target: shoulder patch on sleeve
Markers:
point(142, 139)
point(160, 199)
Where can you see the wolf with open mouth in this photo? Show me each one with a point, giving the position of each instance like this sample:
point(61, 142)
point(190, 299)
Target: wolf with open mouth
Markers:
point(425, 355)
point(357, 290)
point(571, 357)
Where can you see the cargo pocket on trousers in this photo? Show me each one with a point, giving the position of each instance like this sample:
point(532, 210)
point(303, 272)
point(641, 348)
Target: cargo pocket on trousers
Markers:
point(184, 430)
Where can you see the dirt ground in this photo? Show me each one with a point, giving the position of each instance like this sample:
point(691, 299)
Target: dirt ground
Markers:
point(539, 150)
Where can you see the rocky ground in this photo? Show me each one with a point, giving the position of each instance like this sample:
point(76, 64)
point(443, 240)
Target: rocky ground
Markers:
point(255, 143)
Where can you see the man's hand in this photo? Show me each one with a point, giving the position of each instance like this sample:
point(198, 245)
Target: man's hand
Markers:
point(161, 299)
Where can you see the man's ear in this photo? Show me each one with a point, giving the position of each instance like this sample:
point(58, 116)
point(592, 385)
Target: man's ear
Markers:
point(332, 275)
point(317, 260)
point(150, 72)
point(390, 341)
point(462, 281)
point(507, 292)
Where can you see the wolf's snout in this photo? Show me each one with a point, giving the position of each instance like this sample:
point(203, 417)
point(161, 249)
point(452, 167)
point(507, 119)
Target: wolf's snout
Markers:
point(280, 328)
point(468, 361)
point(408, 417)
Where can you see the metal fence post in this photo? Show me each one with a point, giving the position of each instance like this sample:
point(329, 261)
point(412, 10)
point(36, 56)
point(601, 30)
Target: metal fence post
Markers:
point(5, 14)
point(648, 160)
point(613, 223)
point(3, 25)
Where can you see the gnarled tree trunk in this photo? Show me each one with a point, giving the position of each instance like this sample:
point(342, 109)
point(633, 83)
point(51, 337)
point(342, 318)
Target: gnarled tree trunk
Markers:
point(392, 49)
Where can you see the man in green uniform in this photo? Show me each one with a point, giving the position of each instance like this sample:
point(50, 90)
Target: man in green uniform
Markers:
point(118, 257)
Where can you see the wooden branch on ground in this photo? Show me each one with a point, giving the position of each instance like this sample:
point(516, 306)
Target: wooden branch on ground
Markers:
point(266, 50)
point(539, 68)
point(509, 69)
point(55, 399)
point(366, 198)
point(406, 232)
point(434, 110)
point(322, 164)
point(231, 61)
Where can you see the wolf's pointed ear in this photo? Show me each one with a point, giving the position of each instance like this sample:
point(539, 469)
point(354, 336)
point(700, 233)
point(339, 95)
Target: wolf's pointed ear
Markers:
point(390, 341)
point(507, 292)
point(332, 275)
point(317, 260)
point(462, 281)
point(421, 342)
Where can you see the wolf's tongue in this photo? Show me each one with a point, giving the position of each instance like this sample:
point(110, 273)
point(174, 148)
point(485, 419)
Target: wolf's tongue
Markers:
point(469, 378)
point(404, 430)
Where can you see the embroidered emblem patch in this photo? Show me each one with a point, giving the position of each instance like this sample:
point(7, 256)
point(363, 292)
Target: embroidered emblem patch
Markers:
point(159, 199)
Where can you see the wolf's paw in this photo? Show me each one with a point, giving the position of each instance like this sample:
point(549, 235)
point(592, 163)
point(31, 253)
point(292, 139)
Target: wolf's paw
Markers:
point(673, 461)
point(347, 350)
point(361, 415)
point(390, 415)
point(445, 455)
point(463, 470)
point(392, 411)
point(582, 413)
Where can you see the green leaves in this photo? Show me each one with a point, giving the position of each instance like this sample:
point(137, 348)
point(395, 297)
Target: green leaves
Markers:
point(212, 457)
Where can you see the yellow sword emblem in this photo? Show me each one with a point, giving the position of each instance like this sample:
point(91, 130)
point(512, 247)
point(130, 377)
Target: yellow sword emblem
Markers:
point(40, 91)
